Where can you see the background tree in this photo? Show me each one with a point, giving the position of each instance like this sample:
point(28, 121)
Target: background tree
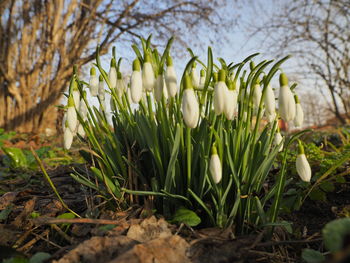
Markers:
point(317, 33)
point(41, 40)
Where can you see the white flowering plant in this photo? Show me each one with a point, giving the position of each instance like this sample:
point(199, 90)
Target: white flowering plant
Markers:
point(206, 142)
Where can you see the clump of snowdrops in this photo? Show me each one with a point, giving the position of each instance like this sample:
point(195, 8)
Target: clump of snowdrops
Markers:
point(203, 143)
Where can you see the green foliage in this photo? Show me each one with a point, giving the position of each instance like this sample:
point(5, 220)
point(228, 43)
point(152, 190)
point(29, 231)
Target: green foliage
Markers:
point(312, 256)
point(150, 152)
point(5, 136)
point(186, 216)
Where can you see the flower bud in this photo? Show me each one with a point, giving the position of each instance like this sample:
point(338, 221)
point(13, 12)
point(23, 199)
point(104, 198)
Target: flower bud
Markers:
point(72, 119)
point(230, 104)
point(81, 130)
point(194, 77)
point(67, 137)
point(136, 82)
point(190, 106)
point(170, 78)
point(93, 82)
point(202, 79)
point(256, 96)
point(286, 103)
point(299, 114)
point(277, 140)
point(302, 165)
point(220, 93)
point(101, 88)
point(269, 100)
point(112, 74)
point(75, 93)
point(148, 79)
point(215, 166)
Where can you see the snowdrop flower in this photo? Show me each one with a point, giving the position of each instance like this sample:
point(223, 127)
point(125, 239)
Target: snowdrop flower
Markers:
point(194, 76)
point(112, 74)
point(136, 82)
point(148, 79)
point(270, 104)
point(286, 103)
point(82, 107)
point(67, 136)
point(165, 90)
point(230, 102)
point(121, 87)
point(101, 89)
point(71, 115)
point(202, 79)
point(299, 114)
point(302, 165)
point(277, 140)
point(93, 82)
point(190, 106)
point(170, 78)
point(158, 91)
point(215, 166)
point(75, 93)
point(220, 93)
point(256, 96)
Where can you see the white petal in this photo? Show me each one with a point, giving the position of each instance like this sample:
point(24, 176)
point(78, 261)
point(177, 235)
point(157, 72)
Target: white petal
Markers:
point(136, 86)
point(101, 90)
point(299, 115)
point(256, 96)
point(76, 98)
point(67, 138)
point(171, 81)
point(81, 130)
point(230, 104)
point(148, 79)
point(269, 100)
point(286, 104)
point(215, 168)
point(93, 85)
point(112, 77)
point(277, 140)
point(72, 119)
point(220, 92)
point(303, 168)
point(190, 108)
point(120, 89)
point(195, 78)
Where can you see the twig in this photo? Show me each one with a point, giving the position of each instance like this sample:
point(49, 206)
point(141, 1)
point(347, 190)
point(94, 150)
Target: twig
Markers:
point(33, 241)
point(53, 220)
point(63, 234)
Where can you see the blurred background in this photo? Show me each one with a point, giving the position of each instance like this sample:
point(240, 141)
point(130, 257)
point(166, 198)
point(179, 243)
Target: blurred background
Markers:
point(41, 40)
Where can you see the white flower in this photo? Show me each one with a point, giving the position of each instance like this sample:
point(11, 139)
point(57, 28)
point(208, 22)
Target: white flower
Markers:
point(256, 96)
point(93, 82)
point(165, 90)
point(201, 79)
point(215, 166)
point(101, 88)
point(277, 140)
point(83, 109)
point(190, 106)
point(194, 77)
point(148, 79)
point(170, 78)
point(121, 87)
point(67, 137)
point(112, 74)
point(81, 130)
point(220, 93)
point(112, 104)
point(230, 104)
point(71, 115)
point(299, 114)
point(286, 103)
point(158, 92)
point(270, 103)
point(136, 82)
point(302, 165)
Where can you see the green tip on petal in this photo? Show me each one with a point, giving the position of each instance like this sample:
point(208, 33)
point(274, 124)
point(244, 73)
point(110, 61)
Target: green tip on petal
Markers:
point(202, 72)
point(215, 77)
point(300, 148)
point(70, 101)
point(296, 98)
point(92, 71)
point(113, 63)
point(213, 149)
point(169, 61)
point(136, 65)
point(100, 78)
point(147, 57)
point(222, 75)
point(283, 79)
point(119, 75)
point(187, 82)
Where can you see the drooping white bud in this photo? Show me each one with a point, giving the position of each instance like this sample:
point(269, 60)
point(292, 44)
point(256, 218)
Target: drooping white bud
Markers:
point(170, 78)
point(230, 104)
point(269, 100)
point(299, 113)
point(72, 119)
point(190, 106)
point(81, 130)
point(194, 77)
point(121, 87)
point(256, 96)
point(75, 93)
point(136, 82)
point(220, 93)
point(101, 88)
point(112, 74)
point(148, 78)
point(215, 166)
point(67, 137)
point(302, 165)
point(286, 103)
point(93, 82)
point(202, 79)
point(277, 140)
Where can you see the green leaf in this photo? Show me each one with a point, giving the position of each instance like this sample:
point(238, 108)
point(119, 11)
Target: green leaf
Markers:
point(18, 158)
point(334, 232)
point(39, 257)
point(318, 195)
point(327, 186)
point(186, 216)
point(312, 256)
point(6, 212)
